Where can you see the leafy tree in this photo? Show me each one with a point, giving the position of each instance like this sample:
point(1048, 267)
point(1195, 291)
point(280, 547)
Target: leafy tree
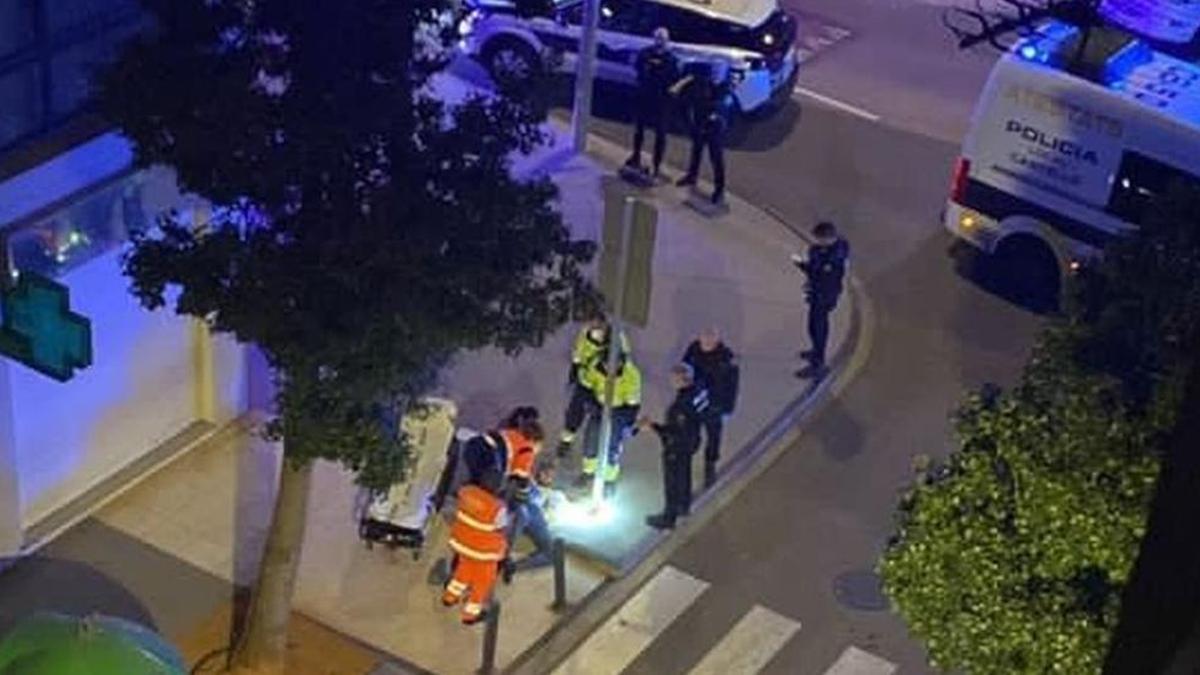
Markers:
point(1011, 555)
point(363, 232)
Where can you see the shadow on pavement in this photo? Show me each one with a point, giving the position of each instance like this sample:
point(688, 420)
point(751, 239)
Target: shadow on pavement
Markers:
point(44, 583)
point(997, 279)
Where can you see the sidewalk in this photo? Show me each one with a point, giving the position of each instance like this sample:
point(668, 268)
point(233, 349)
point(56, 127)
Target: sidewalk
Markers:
point(211, 508)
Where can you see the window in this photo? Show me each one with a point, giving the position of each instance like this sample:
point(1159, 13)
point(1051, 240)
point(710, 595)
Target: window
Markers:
point(62, 15)
point(16, 25)
point(21, 111)
point(1140, 180)
point(92, 225)
point(45, 65)
point(72, 70)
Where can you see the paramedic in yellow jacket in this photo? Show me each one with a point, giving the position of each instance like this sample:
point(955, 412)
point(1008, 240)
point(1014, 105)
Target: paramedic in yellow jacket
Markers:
point(627, 401)
point(589, 344)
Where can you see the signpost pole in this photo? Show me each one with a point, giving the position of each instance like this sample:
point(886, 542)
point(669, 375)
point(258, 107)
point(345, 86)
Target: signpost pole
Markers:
point(585, 75)
point(617, 329)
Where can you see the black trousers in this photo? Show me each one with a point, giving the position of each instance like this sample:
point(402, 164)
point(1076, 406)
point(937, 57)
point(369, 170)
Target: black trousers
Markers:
point(654, 117)
point(581, 404)
point(818, 328)
point(677, 482)
point(716, 154)
point(713, 426)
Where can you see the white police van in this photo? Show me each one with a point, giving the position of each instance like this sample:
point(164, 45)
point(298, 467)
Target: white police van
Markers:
point(1069, 147)
point(755, 38)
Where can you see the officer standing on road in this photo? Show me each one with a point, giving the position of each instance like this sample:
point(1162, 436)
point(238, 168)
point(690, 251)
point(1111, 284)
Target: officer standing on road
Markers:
point(708, 96)
point(680, 436)
point(717, 371)
point(825, 269)
point(657, 71)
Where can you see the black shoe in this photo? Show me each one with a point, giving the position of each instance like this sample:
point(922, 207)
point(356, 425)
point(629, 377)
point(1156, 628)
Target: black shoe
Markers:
point(686, 181)
point(661, 521)
point(718, 198)
point(507, 568)
point(710, 476)
point(813, 372)
point(610, 489)
point(563, 449)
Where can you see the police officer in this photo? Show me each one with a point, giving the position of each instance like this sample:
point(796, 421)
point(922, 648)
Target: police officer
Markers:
point(657, 71)
point(717, 371)
point(708, 97)
point(824, 270)
point(680, 436)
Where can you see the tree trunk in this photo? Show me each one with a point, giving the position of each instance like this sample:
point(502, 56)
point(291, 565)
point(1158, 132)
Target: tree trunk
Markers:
point(1160, 607)
point(263, 644)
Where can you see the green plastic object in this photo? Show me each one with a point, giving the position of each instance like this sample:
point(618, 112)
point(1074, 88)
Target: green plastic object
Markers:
point(39, 329)
point(57, 644)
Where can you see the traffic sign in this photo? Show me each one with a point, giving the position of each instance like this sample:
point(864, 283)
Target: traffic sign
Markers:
point(40, 330)
point(632, 268)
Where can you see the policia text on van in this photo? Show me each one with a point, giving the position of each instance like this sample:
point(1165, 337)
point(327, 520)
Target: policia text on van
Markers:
point(1062, 156)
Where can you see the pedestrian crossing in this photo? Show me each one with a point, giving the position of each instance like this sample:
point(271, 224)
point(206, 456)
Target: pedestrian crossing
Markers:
point(749, 645)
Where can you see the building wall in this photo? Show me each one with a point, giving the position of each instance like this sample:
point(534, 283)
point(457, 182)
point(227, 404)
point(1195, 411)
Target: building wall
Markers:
point(139, 392)
point(154, 374)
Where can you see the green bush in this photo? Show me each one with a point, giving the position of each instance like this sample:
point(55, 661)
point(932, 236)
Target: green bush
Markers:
point(1010, 555)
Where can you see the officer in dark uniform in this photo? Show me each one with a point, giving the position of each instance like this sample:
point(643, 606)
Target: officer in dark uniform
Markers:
point(717, 371)
point(708, 96)
point(680, 436)
point(657, 71)
point(824, 269)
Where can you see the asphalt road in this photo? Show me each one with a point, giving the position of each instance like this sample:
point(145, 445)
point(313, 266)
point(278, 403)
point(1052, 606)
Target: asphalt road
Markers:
point(877, 162)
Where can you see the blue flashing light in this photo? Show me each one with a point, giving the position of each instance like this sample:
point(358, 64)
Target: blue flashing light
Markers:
point(1029, 52)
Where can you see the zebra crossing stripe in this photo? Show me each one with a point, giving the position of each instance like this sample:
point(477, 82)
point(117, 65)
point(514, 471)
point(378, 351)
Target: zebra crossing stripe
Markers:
point(855, 661)
point(750, 645)
point(640, 620)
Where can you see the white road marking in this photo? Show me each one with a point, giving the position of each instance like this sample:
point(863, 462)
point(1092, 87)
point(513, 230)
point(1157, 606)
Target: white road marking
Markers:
point(855, 661)
point(750, 645)
point(640, 620)
point(834, 103)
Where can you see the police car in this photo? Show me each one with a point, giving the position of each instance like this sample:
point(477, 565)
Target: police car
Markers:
point(1071, 143)
point(516, 39)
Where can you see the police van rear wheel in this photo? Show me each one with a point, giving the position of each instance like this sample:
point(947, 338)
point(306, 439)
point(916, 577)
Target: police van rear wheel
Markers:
point(511, 62)
point(1029, 272)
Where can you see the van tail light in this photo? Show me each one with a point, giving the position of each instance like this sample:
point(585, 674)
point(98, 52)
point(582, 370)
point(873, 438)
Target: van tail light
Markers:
point(958, 185)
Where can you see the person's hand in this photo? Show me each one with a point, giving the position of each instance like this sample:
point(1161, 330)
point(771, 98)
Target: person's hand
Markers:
point(644, 423)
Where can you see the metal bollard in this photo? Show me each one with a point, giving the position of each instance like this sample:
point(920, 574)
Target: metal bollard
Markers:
point(560, 575)
point(491, 633)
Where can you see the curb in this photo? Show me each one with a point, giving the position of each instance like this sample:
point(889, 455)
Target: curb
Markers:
point(751, 461)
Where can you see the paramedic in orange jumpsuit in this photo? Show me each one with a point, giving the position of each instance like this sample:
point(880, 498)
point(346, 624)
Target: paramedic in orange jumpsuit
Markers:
point(478, 540)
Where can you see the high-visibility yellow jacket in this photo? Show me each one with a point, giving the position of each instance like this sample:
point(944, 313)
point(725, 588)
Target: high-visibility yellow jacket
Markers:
point(590, 344)
point(627, 388)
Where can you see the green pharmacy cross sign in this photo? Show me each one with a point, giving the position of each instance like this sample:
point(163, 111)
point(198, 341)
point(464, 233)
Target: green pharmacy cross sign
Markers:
point(40, 330)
